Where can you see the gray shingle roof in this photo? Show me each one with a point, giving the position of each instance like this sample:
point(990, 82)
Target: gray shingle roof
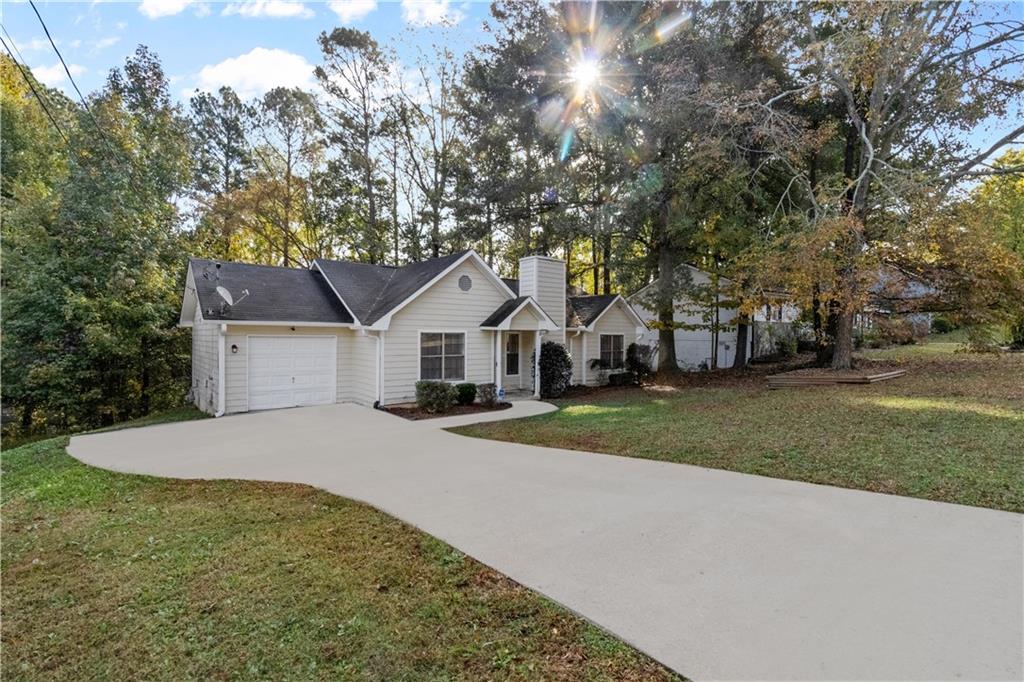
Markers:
point(275, 294)
point(503, 311)
point(588, 308)
point(372, 291)
point(512, 284)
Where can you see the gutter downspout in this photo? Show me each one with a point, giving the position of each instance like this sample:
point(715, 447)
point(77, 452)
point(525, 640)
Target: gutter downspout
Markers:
point(380, 368)
point(221, 372)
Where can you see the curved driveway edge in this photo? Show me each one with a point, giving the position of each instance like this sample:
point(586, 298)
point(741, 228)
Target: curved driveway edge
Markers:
point(719, 575)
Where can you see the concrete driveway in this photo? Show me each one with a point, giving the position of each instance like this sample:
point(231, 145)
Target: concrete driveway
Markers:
point(716, 574)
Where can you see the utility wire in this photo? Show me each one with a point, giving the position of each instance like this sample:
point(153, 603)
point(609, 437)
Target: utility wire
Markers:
point(117, 158)
point(85, 104)
point(32, 87)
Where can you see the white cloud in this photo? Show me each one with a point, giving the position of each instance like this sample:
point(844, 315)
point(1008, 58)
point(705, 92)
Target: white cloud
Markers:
point(350, 11)
point(257, 71)
point(54, 76)
point(34, 45)
point(154, 9)
point(276, 9)
point(426, 12)
point(104, 43)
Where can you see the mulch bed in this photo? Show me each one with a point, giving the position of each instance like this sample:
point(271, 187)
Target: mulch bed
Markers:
point(414, 413)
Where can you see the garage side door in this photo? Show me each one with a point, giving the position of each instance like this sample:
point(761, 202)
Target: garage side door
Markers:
point(289, 371)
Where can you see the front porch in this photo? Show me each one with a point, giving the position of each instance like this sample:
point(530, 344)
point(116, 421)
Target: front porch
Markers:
point(517, 327)
point(515, 364)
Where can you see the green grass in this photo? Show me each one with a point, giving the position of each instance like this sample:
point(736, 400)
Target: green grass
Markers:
point(951, 430)
point(113, 576)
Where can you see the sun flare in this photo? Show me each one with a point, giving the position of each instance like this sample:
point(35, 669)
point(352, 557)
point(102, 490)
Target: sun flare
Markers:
point(585, 74)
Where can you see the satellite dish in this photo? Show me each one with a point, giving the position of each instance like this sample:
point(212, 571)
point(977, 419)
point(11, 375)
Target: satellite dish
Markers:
point(226, 295)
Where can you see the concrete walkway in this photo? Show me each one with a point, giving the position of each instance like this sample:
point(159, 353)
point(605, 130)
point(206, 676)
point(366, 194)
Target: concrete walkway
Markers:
point(718, 575)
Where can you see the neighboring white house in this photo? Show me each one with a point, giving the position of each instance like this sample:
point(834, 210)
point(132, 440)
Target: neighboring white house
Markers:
point(694, 346)
point(353, 332)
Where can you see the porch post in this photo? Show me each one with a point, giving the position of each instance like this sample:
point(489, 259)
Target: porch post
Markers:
point(498, 357)
point(536, 364)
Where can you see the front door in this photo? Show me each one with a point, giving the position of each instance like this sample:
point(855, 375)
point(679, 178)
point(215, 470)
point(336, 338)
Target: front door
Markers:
point(512, 355)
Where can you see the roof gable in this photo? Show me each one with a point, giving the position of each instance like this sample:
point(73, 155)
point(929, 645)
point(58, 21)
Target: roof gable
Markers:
point(512, 308)
point(588, 308)
point(373, 291)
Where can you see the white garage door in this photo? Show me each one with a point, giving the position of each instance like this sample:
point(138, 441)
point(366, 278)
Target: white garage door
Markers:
point(288, 371)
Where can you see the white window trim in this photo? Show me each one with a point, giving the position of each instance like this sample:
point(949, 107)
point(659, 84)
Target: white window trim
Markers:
point(519, 354)
point(465, 354)
point(600, 350)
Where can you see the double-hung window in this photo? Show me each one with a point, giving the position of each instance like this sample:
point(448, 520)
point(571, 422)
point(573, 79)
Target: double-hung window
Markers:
point(612, 355)
point(443, 356)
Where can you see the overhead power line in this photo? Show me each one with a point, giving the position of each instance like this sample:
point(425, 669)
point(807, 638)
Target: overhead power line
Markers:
point(32, 87)
point(85, 104)
point(116, 158)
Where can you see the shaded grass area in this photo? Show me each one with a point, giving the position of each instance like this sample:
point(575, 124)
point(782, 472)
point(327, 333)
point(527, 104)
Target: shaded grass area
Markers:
point(951, 430)
point(114, 576)
point(184, 413)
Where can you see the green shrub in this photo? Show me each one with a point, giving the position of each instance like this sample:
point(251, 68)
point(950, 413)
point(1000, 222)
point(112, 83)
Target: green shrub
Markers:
point(555, 369)
point(435, 396)
point(466, 393)
point(942, 325)
point(786, 347)
point(639, 358)
point(488, 394)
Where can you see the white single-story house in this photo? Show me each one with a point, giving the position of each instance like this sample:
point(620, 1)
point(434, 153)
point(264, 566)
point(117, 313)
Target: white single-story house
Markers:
point(268, 337)
point(695, 341)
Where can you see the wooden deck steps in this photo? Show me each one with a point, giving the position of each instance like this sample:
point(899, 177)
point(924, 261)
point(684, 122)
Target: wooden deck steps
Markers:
point(792, 379)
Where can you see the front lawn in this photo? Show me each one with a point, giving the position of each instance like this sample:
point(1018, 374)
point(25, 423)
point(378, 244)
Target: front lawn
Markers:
point(112, 576)
point(951, 430)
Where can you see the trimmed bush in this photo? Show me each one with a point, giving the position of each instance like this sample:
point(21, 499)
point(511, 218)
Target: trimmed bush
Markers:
point(638, 361)
point(435, 396)
point(555, 369)
point(466, 393)
point(488, 395)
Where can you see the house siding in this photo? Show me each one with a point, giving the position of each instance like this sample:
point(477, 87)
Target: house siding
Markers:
point(442, 307)
point(360, 362)
point(614, 321)
point(236, 365)
point(693, 346)
point(544, 279)
point(204, 363)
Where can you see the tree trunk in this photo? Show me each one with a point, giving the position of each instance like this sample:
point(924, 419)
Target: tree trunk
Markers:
point(606, 256)
point(667, 362)
point(597, 267)
point(490, 237)
point(26, 417)
point(742, 331)
point(394, 198)
point(842, 357)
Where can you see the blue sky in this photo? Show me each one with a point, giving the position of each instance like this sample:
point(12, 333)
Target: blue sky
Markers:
point(252, 46)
